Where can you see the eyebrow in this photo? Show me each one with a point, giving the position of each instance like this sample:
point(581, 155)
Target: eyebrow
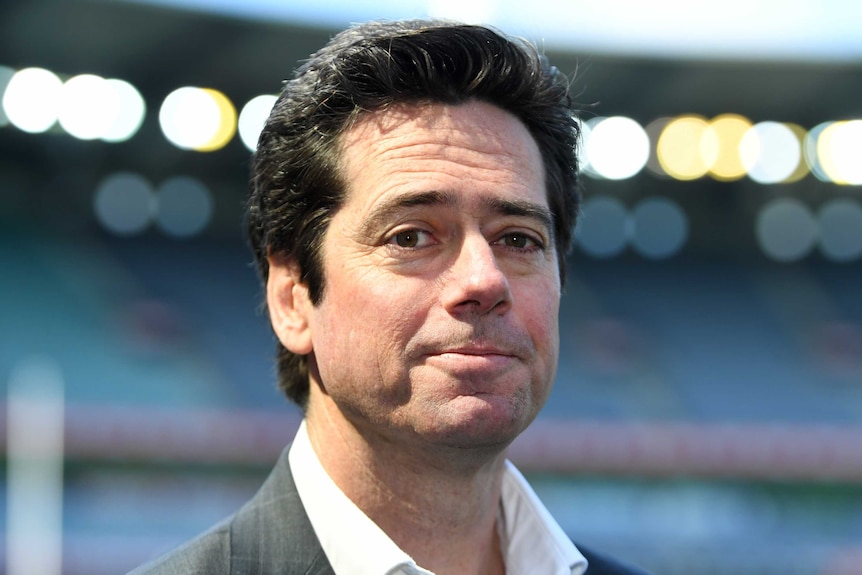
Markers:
point(504, 206)
point(526, 209)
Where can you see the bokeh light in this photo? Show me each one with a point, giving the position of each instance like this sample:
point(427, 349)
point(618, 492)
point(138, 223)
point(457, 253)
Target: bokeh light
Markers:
point(802, 166)
point(87, 106)
point(686, 148)
point(840, 151)
point(185, 207)
point(130, 112)
point(252, 118)
point(826, 152)
point(125, 203)
point(728, 130)
point(226, 123)
point(200, 119)
point(659, 228)
point(771, 152)
point(810, 151)
point(786, 230)
point(841, 230)
point(618, 148)
point(601, 231)
point(31, 99)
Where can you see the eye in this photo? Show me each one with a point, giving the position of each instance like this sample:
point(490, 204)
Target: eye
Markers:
point(410, 238)
point(516, 240)
point(520, 241)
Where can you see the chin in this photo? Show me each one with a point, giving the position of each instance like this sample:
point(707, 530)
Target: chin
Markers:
point(481, 422)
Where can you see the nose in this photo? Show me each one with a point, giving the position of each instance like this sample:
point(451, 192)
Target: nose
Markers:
point(475, 282)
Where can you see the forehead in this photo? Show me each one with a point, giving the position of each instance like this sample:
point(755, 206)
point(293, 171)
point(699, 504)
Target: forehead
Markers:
point(474, 146)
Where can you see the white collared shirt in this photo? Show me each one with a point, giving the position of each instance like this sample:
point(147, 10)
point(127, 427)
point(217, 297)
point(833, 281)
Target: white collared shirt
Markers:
point(531, 541)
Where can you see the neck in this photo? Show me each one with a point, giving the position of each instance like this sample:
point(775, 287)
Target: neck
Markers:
point(439, 506)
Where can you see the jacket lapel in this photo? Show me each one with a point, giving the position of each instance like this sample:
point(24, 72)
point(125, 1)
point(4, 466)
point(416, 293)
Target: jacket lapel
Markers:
point(271, 534)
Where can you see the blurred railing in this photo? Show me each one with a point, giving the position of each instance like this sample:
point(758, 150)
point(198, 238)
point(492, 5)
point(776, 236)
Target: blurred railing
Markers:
point(822, 452)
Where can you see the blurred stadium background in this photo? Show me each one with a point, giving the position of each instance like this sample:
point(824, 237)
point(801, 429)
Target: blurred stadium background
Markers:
point(707, 416)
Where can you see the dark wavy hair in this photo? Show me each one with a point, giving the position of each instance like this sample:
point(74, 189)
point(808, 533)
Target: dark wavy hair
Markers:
point(296, 184)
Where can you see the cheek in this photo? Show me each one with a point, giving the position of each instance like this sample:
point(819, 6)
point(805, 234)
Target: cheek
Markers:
point(547, 340)
point(540, 310)
point(368, 321)
point(541, 318)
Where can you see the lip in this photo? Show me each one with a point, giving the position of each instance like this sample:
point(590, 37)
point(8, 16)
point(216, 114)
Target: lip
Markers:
point(473, 360)
point(477, 351)
point(498, 345)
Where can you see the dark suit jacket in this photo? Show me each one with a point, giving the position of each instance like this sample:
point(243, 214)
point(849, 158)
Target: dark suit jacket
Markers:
point(271, 535)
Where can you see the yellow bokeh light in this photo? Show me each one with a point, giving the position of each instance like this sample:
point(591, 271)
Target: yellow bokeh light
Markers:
point(728, 129)
point(226, 125)
point(685, 149)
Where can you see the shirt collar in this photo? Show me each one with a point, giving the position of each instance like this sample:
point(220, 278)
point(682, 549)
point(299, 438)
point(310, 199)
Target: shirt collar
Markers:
point(532, 541)
point(353, 543)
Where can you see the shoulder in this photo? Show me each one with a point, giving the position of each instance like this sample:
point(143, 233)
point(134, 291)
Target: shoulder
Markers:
point(601, 564)
point(207, 554)
point(270, 534)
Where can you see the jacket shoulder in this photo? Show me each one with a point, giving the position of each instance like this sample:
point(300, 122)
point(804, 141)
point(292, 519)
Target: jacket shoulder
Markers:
point(207, 554)
point(271, 534)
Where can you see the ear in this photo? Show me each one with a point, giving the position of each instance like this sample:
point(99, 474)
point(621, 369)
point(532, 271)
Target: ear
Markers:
point(289, 305)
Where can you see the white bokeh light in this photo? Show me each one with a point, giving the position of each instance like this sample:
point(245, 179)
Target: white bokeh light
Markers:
point(252, 118)
point(786, 230)
point(618, 148)
point(846, 148)
point(31, 99)
point(130, 111)
point(190, 118)
point(87, 106)
point(770, 152)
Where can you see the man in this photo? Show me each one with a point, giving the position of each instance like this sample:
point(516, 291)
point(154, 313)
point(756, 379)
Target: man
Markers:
point(412, 201)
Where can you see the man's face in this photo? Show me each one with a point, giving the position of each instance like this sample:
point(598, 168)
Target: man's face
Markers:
point(438, 321)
